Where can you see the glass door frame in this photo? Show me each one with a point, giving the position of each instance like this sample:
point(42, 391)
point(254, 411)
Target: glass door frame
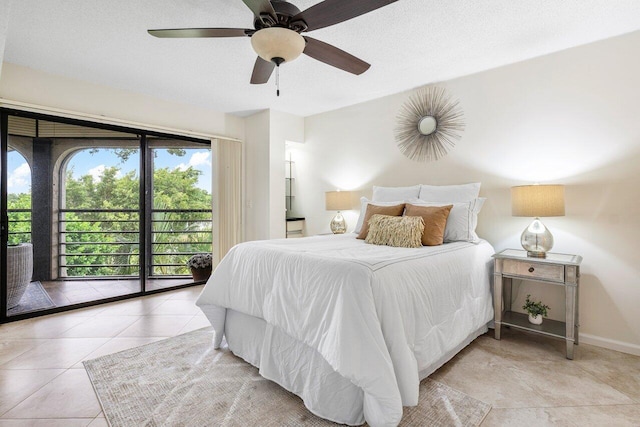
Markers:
point(146, 206)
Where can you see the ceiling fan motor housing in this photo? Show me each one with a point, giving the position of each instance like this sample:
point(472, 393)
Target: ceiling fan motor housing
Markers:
point(284, 11)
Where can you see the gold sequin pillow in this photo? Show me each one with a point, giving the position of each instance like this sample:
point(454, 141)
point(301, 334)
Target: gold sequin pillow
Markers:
point(398, 231)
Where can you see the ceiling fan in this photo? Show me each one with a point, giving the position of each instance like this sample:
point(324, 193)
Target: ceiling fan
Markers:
point(276, 35)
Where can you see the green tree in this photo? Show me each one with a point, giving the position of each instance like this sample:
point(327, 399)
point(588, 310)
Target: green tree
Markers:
point(104, 243)
point(19, 215)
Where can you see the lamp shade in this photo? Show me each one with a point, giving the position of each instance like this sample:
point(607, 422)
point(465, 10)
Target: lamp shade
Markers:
point(537, 200)
point(338, 200)
point(277, 42)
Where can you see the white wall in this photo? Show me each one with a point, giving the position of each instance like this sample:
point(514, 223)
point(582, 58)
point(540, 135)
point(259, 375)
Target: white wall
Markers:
point(571, 118)
point(284, 127)
point(24, 84)
point(266, 134)
point(257, 177)
point(4, 26)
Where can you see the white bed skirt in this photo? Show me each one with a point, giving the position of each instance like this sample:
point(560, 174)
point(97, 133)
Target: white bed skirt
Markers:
point(301, 370)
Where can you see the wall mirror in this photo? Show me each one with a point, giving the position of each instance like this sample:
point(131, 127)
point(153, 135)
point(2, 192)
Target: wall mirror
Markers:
point(429, 123)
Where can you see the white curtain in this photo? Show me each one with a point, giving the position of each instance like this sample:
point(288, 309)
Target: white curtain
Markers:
point(227, 195)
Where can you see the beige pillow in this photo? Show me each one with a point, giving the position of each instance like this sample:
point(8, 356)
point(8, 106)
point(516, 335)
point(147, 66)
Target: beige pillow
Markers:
point(395, 210)
point(398, 231)
point(435, 221)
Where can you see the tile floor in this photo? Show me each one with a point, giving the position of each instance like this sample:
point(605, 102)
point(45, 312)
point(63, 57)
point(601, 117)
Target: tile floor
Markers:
point(525, 377)
point(67, 292)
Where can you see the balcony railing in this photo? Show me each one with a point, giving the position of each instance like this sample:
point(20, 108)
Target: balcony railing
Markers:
point(106, 242)
point(176, 235)
point(19, 226)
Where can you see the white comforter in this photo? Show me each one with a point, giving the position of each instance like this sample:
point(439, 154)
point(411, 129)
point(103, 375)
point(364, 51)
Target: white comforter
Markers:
point(378, 315)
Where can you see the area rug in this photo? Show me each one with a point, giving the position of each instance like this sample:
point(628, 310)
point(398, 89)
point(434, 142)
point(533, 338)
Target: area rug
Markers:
point(183, 381)
point(35, 298)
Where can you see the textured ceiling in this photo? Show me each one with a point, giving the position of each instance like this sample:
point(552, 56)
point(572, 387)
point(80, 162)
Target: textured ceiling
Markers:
point(409, 43)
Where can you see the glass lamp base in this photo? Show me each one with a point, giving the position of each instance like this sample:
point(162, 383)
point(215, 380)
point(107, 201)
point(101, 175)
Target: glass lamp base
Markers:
point(533, 254)
point(536, 239)
point(338, 225)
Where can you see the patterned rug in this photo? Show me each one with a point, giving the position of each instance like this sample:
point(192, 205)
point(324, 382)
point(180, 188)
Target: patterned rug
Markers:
point(183, 381)
point(35, 298)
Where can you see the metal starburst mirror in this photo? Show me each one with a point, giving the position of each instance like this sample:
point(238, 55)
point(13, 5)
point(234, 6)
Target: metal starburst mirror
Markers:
point(429, 123)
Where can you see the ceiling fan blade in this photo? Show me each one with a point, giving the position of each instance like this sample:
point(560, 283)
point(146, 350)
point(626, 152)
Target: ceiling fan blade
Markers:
point(178, 33)
point(259, 7)
point(330, 12)
point(262, 70)
point(331, 55)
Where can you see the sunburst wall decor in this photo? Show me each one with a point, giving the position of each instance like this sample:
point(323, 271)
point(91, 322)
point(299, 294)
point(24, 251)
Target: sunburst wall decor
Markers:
point(429, 123)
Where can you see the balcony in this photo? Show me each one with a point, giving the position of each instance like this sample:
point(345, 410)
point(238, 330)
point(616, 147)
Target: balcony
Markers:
point(98, 252)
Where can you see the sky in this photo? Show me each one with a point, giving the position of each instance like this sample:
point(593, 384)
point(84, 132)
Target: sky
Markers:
point(83, 163)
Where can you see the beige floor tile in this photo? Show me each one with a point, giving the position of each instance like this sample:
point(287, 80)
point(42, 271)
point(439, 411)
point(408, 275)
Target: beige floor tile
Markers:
point(622, 377)
point(101, 326)
point(58, 297)
point(55, 353)
point(156, 326)
point(17, 385)
point(521, 346)
point(70, 395)
point(117, 344)
point(133, 307)
point(115, 291)
point(10, 349)
point(99, 422)
point(40, 327)
point(51, 422)
point(566, 384)
point(480, 356)
point(577, 416)
point(190, 294)
point(619, 370)
point(83, 295)
point(176, 307)
point(196, 322)
point(161, 297)
point(496, 384)
point(82, 312)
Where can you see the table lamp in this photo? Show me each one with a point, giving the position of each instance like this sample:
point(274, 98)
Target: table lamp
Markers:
point(338, 201)
point(537, 201)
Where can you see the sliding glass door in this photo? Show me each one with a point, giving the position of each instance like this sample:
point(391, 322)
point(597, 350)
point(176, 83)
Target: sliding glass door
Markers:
point(93, 213)
point(180, 218)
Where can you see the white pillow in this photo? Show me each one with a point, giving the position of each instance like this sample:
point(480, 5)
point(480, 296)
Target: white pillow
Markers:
point(393, 194)
point(462, 220)
point(363, 209)
point(449, 193)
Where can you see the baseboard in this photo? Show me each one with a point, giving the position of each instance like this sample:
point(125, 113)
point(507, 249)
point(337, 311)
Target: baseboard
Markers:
point(621, 346)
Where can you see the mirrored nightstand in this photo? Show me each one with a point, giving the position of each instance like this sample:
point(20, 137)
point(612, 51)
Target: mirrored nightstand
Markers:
point(555, 269)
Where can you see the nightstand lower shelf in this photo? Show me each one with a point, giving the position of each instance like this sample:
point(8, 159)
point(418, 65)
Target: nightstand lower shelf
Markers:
point(549, 327)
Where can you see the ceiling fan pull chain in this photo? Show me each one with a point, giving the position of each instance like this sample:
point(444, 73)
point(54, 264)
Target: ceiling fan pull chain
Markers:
point(278, 80)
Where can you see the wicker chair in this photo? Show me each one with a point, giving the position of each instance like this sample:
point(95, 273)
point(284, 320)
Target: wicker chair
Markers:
point(19, 271)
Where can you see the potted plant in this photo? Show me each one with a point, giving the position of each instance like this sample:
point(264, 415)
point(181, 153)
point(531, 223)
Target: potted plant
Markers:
point(535, 310)
point(200, 266)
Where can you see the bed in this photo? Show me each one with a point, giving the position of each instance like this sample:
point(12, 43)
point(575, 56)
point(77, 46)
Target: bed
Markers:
point(348, 326)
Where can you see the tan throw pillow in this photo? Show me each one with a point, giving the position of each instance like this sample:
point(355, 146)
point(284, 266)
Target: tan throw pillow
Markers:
point(395, 210)
point(435, 221)
point(398, 231)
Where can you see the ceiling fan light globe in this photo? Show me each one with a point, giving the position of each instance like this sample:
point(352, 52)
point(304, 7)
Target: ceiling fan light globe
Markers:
point(277, 42)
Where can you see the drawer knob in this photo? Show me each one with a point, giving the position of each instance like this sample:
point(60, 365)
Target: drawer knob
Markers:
point(531, 269)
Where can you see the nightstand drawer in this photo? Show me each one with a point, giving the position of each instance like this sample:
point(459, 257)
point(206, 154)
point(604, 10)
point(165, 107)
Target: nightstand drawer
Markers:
point(534, 270)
